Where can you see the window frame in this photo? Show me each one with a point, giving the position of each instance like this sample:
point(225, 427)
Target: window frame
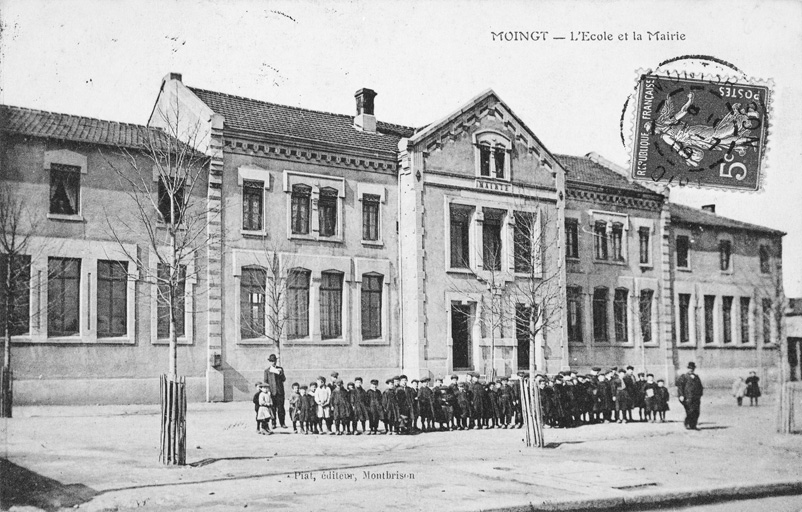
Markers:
point(254, 189)
point(291, 273)
point(496, 218)
point(465, 243)
point(254, 174)
point(572, 238)
point(317, 183)
point(621, 315)
point(745, 320)
point(301, 196)
point(646, 315)
point(110, 300)
point(725, 247)
point(254, 334)
point(684, 319)
point(21, 297)
point(375, 334)
point(488, 144)
point(189, 301)
point(600, 241)
point(764, 255)
point(326, 293)
point(65, 157)
point(727, 318)
point(709, 319)
point(328, 213)
point(601, 299)
point(574, 297)
point(644, 246)
point(687, 247)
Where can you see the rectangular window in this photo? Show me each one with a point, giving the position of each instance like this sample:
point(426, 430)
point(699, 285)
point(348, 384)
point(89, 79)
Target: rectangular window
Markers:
point(370, 217)
point(684, 321)
point(683, 247)
point(646, 297)
point(600, 314)
point(300, 205)
point(574, 303)
point(460, 237)
point(524, 231)
point(767, 331)
point(491, 239)
point(523, 318)
point(499, 154)
point(571, 238)
point(726, 318)
point(765, 259)
point(710, 305)
point(327, 211)
point(724, 251)
point(163, 300)
point(252, 205)
point(744, 320)
point(171, 200)
point(16, 288)
point(331, 305)
point(371, 306)
point(112, 298)
point(298, 304)
point(617, 235)
point(65, 189)
point(600, 240)
point(253, 290)
point(644, 240)
point(63, 296)
point(620, 314)
point(484, 159)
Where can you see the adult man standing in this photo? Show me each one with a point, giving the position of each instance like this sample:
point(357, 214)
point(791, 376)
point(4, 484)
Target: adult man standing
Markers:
point(689, 389)
point(274, 377)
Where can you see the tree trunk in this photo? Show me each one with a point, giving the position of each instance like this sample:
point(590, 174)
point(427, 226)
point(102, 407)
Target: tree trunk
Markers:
point(6, 377)
point(173, 416)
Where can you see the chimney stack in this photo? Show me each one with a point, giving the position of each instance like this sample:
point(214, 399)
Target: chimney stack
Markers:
point(709, 208)
point(365, 120)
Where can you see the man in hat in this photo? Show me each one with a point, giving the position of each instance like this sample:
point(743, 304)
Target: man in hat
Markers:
point(690, 390)
point(274, 377)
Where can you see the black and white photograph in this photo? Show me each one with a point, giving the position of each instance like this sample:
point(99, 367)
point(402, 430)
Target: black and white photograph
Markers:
point(355, 255)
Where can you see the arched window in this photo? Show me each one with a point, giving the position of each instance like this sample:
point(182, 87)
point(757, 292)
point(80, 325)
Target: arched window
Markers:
point(492, 159)
point(298, 303)
point(600, 314)
point(252, 303)
point(327, 211)
point(372, 306)
point(301, 204)
point(331, 305)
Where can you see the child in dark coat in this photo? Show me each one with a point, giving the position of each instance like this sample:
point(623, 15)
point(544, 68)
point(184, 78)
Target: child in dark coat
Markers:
point(340, 408)
point(390, 408)
point(663, 402)
point(295, 411)
point(375, 407)
point(256, 406)
point(359, 408)
point(309, 410)
point(651, 399)
point(753, 388)
point(464, 406)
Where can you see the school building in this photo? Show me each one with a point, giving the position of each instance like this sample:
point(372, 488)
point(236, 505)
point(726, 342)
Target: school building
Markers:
point(352, 244)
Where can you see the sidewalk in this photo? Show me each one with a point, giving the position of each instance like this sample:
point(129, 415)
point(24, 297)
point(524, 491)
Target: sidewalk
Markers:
point(106, 458)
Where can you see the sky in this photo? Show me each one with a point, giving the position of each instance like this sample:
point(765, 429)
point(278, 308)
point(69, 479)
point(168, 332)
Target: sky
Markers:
point(106, 59)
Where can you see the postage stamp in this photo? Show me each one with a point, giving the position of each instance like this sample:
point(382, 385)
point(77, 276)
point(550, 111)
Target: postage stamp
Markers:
point(710, 134)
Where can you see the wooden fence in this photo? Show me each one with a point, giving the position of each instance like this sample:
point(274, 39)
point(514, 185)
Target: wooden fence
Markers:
point(174, 420)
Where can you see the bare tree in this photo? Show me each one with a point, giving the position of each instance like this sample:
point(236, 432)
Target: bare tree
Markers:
point(166, 181)
point(265, 289)
point(16, 231)
point(527, 294)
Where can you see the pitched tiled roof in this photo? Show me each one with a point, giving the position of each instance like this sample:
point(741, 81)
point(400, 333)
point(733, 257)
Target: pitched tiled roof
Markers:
point(52, 125)
point(688, 215)
point(582, 169)
point(270, 118)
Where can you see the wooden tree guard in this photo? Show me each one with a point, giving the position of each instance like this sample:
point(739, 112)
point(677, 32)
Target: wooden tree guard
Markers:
point(533, 416)
point(788, 395)
point(6, 392)
point(174, 423)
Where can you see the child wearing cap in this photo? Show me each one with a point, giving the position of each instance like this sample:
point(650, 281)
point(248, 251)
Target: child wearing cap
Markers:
point(256, 406)
point(426, 405)
point(650, 398)
point(390, 408)
point(295, 411)
point(374, 406)
point(359, 405)
point(265, 413)
point(464, 406)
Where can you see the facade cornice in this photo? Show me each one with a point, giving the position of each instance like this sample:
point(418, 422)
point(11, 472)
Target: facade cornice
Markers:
point(599, 194)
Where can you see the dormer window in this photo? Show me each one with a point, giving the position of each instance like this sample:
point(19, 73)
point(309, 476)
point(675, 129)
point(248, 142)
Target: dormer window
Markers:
point(491, 155)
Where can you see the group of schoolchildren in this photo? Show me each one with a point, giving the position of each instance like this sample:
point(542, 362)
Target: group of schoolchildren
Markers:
point(405, 407)
point(569, 399)
point(402, 407)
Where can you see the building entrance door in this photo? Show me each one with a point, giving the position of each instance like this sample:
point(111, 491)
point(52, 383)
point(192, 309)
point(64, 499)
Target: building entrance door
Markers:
point(794, 353)
point(461, 346)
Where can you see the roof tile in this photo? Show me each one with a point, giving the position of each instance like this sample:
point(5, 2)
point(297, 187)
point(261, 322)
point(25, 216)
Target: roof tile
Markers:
point(270, 118)
point(689, 215)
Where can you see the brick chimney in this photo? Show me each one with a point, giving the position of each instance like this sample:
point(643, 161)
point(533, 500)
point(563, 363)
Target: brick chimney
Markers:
point(709, 208)
point(365, 120)
point(172, 76)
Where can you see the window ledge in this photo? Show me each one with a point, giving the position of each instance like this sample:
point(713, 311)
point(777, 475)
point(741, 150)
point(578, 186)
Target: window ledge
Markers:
point(620, 263)
point(66, 218)
point(731, 346)
point(66, 339)
point(373, 243)
point(686, 345)
point(527, 275)
point(646, 266)
point(684, 269)
point(180, 341)
point(726, 272)
point(121, 340)
point(650, 344)
point(771, 346)
point(375, 342)
point(466, 271)
point(253, 233)
point(330, 239)
point(255, 341)
point(318, 341)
